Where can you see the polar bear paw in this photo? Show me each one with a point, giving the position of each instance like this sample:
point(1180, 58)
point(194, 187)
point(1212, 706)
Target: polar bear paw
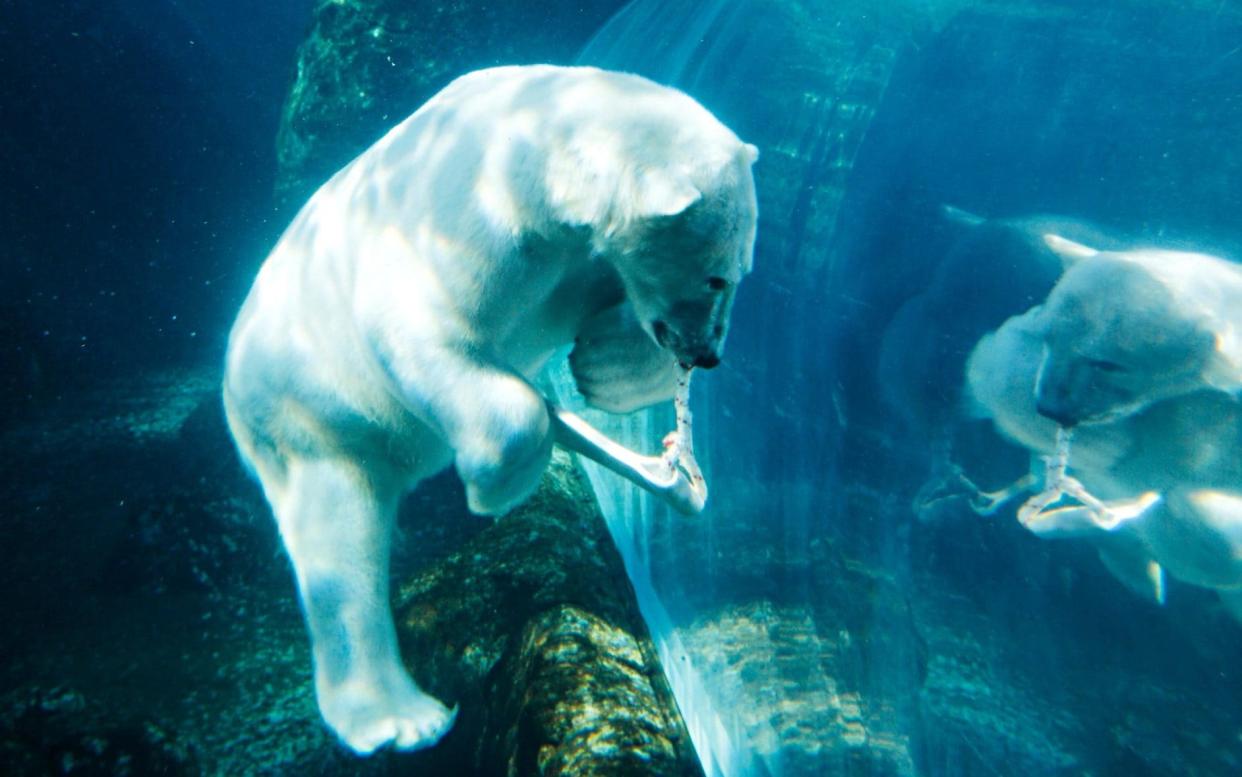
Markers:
point(367, 719)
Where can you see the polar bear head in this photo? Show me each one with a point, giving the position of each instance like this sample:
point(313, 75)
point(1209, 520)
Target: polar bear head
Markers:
point(667, 195)
point(1121, 332)
point(681, 263)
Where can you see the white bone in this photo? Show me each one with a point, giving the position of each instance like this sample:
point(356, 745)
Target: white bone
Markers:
point(1041, 514)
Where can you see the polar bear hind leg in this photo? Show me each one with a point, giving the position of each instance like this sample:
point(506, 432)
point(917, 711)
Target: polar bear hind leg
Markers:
point(336, 520)
point(1198, 536)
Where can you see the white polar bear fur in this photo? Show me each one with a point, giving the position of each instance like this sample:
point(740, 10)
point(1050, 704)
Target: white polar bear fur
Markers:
point(1125, 329)
point(1157, 441)
point(398, 322)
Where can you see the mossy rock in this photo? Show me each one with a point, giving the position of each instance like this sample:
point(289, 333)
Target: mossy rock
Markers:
point(532, 630)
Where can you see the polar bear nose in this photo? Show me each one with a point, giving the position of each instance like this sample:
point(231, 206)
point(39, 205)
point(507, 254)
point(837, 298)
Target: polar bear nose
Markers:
point(706, 360)
point(689, 352)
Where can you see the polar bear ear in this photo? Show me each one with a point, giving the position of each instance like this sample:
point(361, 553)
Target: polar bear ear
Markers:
point(1070, 252)
point(662, 192)
point(965, 218)
point(751, 153)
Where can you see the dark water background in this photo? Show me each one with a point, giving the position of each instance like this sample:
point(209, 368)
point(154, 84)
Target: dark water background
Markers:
point(137, 167)
point(139, 154)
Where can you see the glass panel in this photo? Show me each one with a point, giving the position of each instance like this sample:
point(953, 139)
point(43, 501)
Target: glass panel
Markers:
point(839, 607)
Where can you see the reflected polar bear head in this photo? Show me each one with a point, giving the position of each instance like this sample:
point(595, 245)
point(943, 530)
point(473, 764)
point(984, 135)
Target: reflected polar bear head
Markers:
point(1120, 332)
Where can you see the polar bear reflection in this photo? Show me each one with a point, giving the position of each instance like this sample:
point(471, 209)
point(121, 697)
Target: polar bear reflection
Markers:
point(397, 325)
point(1138, 353)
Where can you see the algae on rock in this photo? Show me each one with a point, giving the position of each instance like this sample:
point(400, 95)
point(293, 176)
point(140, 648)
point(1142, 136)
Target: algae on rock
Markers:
point(532, 630)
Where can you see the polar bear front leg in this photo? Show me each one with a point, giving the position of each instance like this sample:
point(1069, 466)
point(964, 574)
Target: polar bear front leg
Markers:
point(673, 476)
point(502, 441)
point(336, 521)
point(493, 419)
point(655, 474)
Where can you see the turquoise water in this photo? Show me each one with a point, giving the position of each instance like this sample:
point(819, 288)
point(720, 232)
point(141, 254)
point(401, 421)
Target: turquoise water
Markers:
point(839, 608)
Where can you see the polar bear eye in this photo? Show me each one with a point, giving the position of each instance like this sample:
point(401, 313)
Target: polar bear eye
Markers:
point(1103, 365)
point(716, 283)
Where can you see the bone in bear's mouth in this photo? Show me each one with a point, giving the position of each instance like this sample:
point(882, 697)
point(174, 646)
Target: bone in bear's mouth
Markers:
point(674, 476)
point(679, 443)
point(1059, 485)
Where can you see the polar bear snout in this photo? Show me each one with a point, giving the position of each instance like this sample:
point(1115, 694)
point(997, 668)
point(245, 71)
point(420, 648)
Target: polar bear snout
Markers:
point(705, 354)
point(1065, 392)
point(706, 361)
point(694, 330)
point(1056, 411)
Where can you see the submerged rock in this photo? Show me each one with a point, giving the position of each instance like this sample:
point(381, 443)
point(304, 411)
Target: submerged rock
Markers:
point(531, 628)
point(58, 731)
point(579, 697)
point(174, 608)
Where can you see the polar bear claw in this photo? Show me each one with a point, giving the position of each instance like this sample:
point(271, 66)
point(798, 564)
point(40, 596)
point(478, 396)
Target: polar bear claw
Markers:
point(367, 719)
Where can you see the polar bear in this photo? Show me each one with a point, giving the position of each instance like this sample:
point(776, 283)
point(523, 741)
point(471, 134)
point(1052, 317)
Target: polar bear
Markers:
point(1134, 354)
point(1002, 266)
point(1125, 329)
point(399, 321)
